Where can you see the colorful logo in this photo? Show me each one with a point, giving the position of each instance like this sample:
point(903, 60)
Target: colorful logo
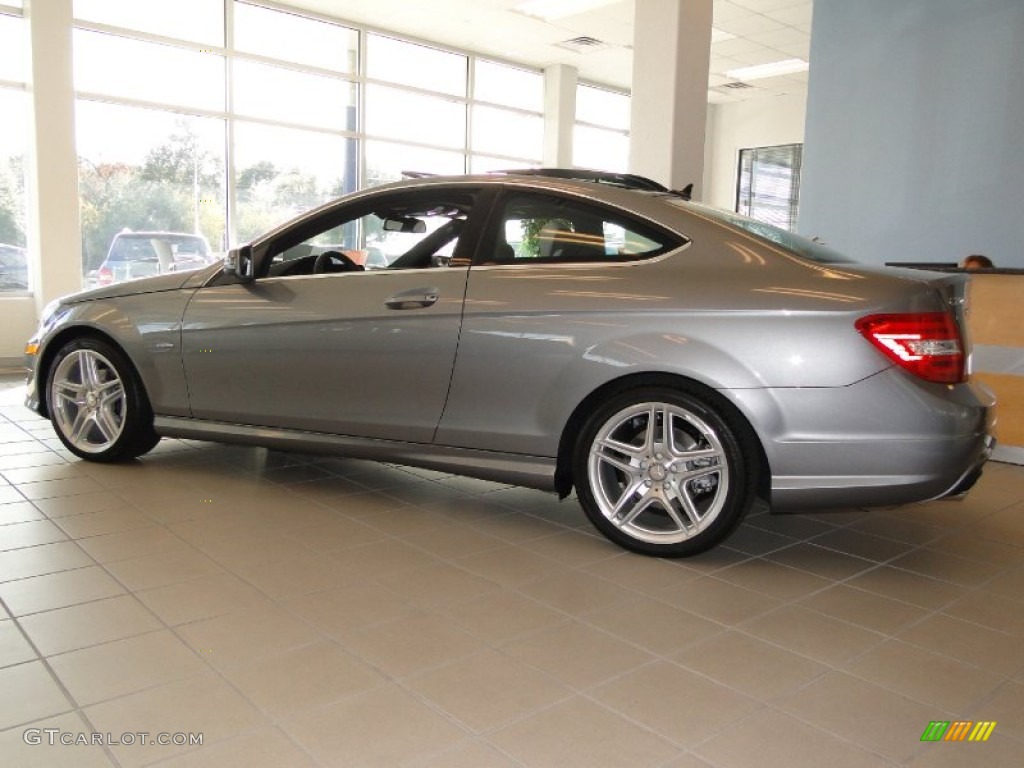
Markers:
point(958, 730)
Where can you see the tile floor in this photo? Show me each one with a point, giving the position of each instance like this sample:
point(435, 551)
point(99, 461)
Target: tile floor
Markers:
point(303, 611)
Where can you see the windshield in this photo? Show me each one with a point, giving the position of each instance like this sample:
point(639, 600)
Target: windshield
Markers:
point(791, 241)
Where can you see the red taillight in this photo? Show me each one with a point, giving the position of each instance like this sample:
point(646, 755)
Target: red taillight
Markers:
point(104, 275)
point(927, 344)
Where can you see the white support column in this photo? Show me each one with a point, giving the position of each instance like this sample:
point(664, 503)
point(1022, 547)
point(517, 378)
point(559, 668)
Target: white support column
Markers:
point(559, 114)
point(55, 232)
point(671, 50)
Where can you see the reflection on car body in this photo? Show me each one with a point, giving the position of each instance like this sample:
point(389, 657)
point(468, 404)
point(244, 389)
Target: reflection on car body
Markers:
point(669, 362)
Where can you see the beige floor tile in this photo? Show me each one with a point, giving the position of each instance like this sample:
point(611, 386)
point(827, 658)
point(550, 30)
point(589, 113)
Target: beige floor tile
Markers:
point(48, 489)
point(203, 704)
point(826, 563)
point(438, 583)
point(335, 534)
point(909, 530)
point(674, 702)
point(500, 616)
point(100, 523)
point(29, 693)
point(283, 579)
point(129, 545)
point(990, 610)
point(488, 690)
point(812, 634)
point(202, 598)
point(875, 719)
point(928, 677)
point(718, 600)
point(865, 609)
point(380, 559)
point(908, 587)
point(30, 534)
point(752, 666)
point(19, 512)
point(248, 552)
point(997, 752)
point(654, 625)
point(576, 654)
point(161, 569)
point(1009, 583)
point(308, 677)
point(14, 648)
point(578, 732)
point(468, 754)
point(795, 526)
point(642, 574)
point(756, 541)
point(988, 649)
point(88, 624)
point(993, 552)
point(263, 748)
point(39, 474)
point(44, 559)
point(687, 760)
point(39, 752)
point(1005, 708)
point(509, 566)
point(411, 644)
point(407, 522)
point(244, 635)
point(769, 739)
point(1002, 526)
point(58, 590)
point(382, 727)
point(863, 545)
point(576, 593)
point(773, 579)
point(124, 666)
point(946, 567)
point(455, 541)
point(576, 549)
point(64, 506)
point(345, 609)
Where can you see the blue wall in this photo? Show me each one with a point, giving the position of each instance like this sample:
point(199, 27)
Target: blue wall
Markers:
point(914, 142)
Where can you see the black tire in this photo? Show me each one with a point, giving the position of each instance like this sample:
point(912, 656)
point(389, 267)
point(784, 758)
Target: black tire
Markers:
point(97, 404)
point(666, 498)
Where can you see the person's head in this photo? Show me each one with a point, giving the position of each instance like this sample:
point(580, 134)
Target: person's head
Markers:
point(977, 261)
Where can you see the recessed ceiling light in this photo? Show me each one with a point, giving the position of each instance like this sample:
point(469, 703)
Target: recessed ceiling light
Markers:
point(774, 69)
point(557, 9)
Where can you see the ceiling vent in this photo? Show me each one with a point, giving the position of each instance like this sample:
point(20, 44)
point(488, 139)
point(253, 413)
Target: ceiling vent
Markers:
point(737, 86)
point(583, 44)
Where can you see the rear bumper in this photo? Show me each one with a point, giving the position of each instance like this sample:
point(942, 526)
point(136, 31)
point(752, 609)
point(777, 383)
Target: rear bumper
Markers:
point(888, 440)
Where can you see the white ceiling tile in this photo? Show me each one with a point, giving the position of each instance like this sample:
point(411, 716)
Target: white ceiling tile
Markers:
point(754, 24)
point(798, 15)
point(724, 10)
point(760, 56)
point(735, 46)
point(781, 37)
point(764, 6)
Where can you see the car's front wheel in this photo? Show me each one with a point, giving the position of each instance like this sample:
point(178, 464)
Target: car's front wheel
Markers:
point(97, 404)
point(661, 472)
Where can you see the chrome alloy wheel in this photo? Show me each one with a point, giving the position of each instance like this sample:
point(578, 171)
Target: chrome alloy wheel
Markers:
point(658, 473)
point(87, 401)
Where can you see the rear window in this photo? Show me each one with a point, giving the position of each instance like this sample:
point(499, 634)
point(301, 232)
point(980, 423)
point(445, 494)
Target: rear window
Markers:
point(799, 245)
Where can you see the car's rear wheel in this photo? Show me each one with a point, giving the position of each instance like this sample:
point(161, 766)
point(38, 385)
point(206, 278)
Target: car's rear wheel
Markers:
point(97, 404)
point(661, 472)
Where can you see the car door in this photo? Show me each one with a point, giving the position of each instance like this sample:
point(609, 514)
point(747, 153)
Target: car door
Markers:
point(338, 339)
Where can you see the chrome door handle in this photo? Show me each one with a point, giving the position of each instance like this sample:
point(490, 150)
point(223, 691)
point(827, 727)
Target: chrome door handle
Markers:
point(417, 298)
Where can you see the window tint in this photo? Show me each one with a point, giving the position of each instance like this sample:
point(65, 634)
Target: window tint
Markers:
point(545, 229)
point(396, 233)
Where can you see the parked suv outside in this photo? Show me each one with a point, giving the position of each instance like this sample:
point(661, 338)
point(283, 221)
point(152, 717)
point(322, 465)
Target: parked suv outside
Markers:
point(141, 254)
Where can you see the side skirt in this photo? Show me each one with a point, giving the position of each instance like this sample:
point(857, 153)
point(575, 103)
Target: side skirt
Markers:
point(528, 471)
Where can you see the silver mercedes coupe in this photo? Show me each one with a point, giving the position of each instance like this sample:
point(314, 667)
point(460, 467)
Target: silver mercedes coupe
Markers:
point(559, 330)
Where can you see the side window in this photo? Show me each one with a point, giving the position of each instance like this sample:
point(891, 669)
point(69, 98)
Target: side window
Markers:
point(546, 229)
point(418, 231)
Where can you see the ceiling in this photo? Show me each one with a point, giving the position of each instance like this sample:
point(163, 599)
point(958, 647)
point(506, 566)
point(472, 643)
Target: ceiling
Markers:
point(762, 31)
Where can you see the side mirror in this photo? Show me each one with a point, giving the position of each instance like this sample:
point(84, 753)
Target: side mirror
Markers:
point(238, 263)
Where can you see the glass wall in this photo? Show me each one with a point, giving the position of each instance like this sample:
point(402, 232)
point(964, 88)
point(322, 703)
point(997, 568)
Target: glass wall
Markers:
point(220, 119)
point(601, 133)
point(14, 271)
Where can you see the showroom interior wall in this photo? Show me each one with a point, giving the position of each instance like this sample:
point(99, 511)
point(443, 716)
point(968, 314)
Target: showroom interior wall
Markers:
point(731, 127)
point(914, 117)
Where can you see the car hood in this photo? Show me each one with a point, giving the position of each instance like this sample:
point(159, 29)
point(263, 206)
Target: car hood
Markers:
point(171, 281)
